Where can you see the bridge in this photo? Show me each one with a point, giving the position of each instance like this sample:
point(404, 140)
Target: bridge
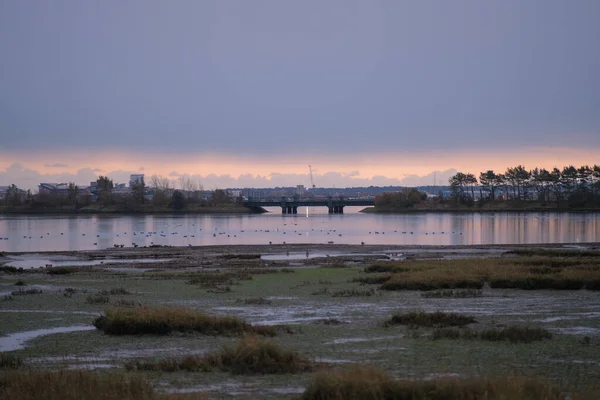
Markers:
point(289, 205)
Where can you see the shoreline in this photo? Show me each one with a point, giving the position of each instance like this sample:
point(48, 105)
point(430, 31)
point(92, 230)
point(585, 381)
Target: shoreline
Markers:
point(259, 249)
point(372, 210)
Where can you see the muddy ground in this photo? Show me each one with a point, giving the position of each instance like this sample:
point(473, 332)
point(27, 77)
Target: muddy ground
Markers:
point(51, 330)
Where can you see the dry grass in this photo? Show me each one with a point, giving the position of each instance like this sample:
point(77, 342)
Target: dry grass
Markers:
point(368, 383)
point(81, 385)
point(97, 298)
point(23, 292)
point(9, 361)
point(164, 320)
point(518, 273)
point(371, 279)
point(452, 294)
point(249, 356)
point(115, 292)
point(429, 320)
point(513, 333)
point(353, 293)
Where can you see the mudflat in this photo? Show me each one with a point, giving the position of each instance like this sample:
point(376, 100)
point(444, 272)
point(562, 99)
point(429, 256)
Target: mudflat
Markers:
point(416, 312)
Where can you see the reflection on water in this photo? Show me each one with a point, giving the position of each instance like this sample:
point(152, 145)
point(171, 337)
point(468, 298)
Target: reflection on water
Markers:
point(47, 233)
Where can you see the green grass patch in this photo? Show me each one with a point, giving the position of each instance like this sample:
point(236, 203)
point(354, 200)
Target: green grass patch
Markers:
point(429, 320)
point(164, 320)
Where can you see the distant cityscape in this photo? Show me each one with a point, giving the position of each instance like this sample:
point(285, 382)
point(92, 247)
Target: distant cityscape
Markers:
point(125, 189)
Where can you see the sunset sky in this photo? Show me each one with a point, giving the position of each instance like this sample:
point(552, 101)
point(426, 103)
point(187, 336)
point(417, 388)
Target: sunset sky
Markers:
point(249, 93)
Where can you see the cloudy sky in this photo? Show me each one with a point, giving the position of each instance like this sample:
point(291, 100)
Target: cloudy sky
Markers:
point(249, 93)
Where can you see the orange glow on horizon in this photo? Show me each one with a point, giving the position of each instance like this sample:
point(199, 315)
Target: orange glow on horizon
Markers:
point(391, 164)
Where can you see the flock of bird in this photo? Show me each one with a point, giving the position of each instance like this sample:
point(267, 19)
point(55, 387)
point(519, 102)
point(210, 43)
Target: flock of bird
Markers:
point(174, 231)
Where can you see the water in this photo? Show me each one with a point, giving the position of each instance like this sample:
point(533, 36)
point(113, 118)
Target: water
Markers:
point(48, 233)
point(17, 340)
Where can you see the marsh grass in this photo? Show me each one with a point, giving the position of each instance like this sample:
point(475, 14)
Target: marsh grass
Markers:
point(353, 293)
point(65, 270)
point(115, 292)
point(514, 273)
point(249, 356)
point(97, 298)
point(369, 383)
point(452, 294)
point(429, 320)
point(164, 320)
point(555, 252)
point(512, 333)
point(81, 385)
point(10, 361)
point(23, 292)
point(371, 279)
point(9, 269)
point(257, 301)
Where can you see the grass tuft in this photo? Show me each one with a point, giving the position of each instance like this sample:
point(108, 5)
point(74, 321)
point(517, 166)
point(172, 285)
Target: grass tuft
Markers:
point(97, 298)
point(368, 383)
point(23, 292)
point(164, 320)
point(353, 293)
point(115, 292)
point(81, 385)
point(513, 333)
point(257, 301)
point(371, 279)
point(452, 294)
point(9, 361)
point(430, 320)
point(249, 356)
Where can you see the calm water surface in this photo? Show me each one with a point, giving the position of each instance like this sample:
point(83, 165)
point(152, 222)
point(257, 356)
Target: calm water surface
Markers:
point(47, 233)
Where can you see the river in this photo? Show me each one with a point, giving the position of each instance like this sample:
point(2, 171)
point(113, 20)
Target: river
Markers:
point(78, 232)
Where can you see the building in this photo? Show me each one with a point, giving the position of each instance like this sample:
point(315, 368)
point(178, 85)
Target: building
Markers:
point(134, 178)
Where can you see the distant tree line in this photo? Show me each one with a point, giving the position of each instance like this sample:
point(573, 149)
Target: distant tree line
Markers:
point(160, 194)
point(570, 186)
point(405, 198)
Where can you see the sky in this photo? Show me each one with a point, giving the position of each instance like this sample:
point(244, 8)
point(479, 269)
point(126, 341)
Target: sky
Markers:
point(249, 93)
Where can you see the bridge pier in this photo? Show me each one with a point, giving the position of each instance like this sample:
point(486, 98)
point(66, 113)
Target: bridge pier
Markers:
point(285, 209)
point(338, 209)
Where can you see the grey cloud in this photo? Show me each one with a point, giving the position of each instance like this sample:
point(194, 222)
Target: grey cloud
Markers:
point(30, 179)
point(56, 165)
point(249, 77)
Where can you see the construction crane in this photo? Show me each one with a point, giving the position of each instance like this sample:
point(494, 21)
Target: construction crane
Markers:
point(312, 182)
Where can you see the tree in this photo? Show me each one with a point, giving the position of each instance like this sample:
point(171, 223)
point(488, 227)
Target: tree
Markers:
point(179, 200)
point(161, 190)
point(488, 181)
point(220, 197)
point(104, 188)
point(13, 196)
point(138, 190)
point(72, 192)
point(460, 182)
